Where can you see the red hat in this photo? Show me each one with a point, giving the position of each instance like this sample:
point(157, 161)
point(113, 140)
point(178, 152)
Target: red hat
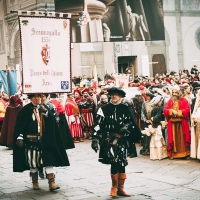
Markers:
point(85, 90)
point(141, 87)
point(78, 91)
point(168, 80)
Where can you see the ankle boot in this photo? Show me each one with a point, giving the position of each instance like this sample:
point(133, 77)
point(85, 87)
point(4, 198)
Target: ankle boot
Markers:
point(34, 177)
point(121, 180)
point(51, 181)
point(113, 191)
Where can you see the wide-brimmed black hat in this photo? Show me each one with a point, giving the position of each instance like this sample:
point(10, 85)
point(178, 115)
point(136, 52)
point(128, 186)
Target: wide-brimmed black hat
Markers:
point(116, 90)
point(46, 95)
point(32, 95)
point(150, 95)
point(196, 84)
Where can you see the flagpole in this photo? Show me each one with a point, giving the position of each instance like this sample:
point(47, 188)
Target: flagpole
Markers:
point(8, 81)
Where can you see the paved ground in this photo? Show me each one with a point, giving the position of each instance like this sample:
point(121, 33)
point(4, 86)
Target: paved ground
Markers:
point(86, 178)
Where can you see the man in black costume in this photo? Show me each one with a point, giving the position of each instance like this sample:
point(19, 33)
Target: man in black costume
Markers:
point(37, 142)
point(115, 128)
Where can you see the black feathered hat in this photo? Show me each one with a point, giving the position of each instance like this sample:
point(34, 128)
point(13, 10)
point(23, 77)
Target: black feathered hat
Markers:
point(116, 90)
point(46, 95)
point(31, 95)
point(196, 84)
point(150, 95)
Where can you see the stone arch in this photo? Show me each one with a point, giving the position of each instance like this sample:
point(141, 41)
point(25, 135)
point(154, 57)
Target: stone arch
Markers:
point(191, 46)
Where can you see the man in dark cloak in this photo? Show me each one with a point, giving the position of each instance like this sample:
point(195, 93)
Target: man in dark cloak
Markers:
point(37, 142)
point(114, 130)
point(62, 122)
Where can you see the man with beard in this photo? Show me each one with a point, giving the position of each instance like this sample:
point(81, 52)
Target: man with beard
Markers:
point(93, 95)
point(177, 112)
point(37, 142)
point(87, 110)
point(115, 129)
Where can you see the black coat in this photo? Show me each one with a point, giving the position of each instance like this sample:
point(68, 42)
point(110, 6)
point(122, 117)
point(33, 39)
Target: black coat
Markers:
point(112, 119)
point(53, 151)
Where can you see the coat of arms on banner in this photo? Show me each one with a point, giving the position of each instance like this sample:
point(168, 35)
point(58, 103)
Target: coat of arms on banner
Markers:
point(64, 85)
point(45, 54)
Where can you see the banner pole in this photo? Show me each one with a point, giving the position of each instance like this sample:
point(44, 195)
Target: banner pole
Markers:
point(8, 81)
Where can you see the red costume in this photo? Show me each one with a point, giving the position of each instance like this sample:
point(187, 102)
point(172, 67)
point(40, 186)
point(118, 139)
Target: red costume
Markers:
point(87, 107)
point(72, 112)
point(59, 107)
point(173, 134)
point(7, 132)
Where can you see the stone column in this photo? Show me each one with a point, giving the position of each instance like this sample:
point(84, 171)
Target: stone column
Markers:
point(93, 30)
point(123, 5)
point(179, 34)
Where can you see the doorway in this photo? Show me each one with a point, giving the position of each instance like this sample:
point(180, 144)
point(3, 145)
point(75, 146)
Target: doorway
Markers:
point(159, 64)
point(127, 65)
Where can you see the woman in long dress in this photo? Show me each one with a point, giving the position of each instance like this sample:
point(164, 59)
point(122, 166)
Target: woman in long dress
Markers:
point(158, 149)
point(195, 129)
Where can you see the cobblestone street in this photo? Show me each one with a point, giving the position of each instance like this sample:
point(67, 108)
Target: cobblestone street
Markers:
point(86, 178)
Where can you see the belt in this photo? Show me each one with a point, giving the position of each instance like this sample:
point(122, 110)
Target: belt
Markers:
point(33, 137)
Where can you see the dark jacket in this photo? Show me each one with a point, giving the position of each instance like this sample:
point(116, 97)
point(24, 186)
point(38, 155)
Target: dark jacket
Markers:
point(53, 152)
point(111, 120)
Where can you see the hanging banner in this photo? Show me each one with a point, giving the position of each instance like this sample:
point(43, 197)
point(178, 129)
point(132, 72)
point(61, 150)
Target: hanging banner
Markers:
point(121, 80)
point(46, 54)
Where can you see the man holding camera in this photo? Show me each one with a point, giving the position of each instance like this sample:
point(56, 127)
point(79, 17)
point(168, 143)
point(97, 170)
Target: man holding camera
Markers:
point(37, 142)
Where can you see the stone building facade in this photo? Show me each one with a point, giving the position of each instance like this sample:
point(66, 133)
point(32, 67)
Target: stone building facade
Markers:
point(180, 49)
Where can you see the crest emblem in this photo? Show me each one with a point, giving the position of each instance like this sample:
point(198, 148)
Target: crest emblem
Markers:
point(45, 53)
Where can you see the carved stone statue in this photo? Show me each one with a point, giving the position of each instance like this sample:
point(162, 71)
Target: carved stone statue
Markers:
point(137, 26)
point(106, 32)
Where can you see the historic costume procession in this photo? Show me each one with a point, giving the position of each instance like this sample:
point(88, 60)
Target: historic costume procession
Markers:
point(50, 118)
point(164, 127)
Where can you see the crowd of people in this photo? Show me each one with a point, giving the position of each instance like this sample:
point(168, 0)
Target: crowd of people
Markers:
point(162, 115)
